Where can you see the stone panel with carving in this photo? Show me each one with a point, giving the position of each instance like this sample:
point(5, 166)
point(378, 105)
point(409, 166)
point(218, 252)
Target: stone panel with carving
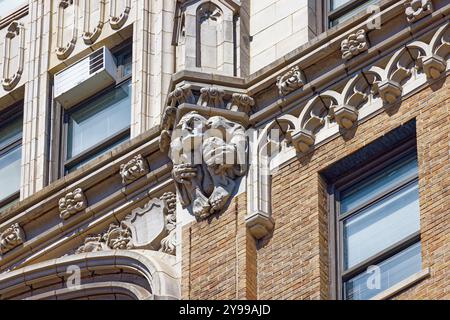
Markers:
point(133, 169)
point(11, 238)
point(72, 203)
point(292, 80)
point(355, 44)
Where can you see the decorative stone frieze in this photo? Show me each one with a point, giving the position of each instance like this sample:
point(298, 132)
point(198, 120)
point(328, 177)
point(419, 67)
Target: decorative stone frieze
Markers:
point(208, 156)
point(73, 203)
point(292, 80)
point(133, 169)
point(242, 102)
point(211, 97)
point(355, 44)
point(417, 9)
point(181, 94)
point(118, 237)
point(15, 32)
point(168, 243)
point(11, 238)
point(116, 20)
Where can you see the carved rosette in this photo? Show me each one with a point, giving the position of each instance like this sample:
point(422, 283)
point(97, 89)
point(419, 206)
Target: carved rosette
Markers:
point(11, 238)
point(73, 203)
point(417, 9)
point(133, 169)
point(292, 80)
point(15, 30)
point(355, 44)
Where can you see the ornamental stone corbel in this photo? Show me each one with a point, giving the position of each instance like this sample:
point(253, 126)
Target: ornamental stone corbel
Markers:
point(433, 66)
point(181, 94)
point(302, 140)
point(72, 203)
point(417, 9)
point(242, 102)
point(355, 44)
point(292, 80)
point(133, 169)
point(10, 238)
point(345, 116)
point(389, 90)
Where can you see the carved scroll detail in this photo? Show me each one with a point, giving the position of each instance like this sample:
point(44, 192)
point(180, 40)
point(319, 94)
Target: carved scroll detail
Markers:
point(117, 21)
point(64, 50)
point(15, 29)
point(89, 37)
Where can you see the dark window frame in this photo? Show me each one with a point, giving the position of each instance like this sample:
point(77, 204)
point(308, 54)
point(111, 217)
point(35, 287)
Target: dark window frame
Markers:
point(67, 164)
point(336, 253)
point(331, 15)
point(6, 117)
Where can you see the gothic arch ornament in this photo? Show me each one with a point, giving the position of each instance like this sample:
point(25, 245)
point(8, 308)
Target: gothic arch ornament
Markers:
point(89, 37)
point(65, 49)
point(10, 81)
point(117, 21)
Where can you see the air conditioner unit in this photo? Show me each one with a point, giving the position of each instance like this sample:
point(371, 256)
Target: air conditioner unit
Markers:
point(85, 78)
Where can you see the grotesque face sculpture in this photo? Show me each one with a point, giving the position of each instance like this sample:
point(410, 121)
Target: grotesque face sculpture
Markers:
point(134, 169)
point(206, 161)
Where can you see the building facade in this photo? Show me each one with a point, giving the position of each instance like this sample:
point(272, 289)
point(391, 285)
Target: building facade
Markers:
point(224, 149)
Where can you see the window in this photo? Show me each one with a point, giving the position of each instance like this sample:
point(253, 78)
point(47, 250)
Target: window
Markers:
point(10, 156)
point(341, 10)
point(377, 226)
point(102, 122)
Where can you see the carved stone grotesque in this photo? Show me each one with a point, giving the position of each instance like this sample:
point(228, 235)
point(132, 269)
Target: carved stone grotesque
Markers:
point(211, 97)
point(118, 237)
point(168, 243)
point(133, 169)
point(208, 155)
point(72, 203)
point(92, 244)
point(242, 102)
point(417, 9)
point(354, 44)
point(292, 80)
point(11, 238)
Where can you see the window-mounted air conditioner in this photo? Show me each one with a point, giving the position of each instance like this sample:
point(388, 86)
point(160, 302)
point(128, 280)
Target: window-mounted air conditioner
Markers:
point(85, 78)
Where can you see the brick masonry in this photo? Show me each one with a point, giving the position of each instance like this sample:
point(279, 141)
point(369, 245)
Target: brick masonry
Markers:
point(221, 260)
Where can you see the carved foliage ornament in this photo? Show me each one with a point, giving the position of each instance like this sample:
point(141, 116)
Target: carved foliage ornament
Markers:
point(208, 156)
point(292, 80)
point(72, 203)
point(354, 44)
point(417, 9)
point(151, 227)
point(133, 169)
point(15, 30)
point(11, 238)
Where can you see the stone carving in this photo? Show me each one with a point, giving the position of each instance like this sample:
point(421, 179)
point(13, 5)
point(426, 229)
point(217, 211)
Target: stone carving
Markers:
point(417, 9)
point(133, 169)
point(15, 29)
point(151, 227)
point(72, 203)
point(242, 102)
point(89, 37)
point(433, 66)
point(292, 80)
point(345, 116)
point(354, 44)
point(64, 49)
point(168, 243)
point(11, 238)
point(211, 97)
point(390, 91)
point(180, 95)
point(117, 21)
point(208, 156)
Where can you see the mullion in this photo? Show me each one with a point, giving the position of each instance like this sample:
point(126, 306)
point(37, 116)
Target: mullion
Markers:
point(397, 187)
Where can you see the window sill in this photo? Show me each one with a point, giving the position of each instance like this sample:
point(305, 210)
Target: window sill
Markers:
point(403, 285)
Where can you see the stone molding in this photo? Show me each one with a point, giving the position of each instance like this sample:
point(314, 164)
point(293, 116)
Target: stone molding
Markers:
point(15, 30)
point(11, 237)
point(65, 48)
point(72, 203)
point(89, 37)
point(116, 20)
